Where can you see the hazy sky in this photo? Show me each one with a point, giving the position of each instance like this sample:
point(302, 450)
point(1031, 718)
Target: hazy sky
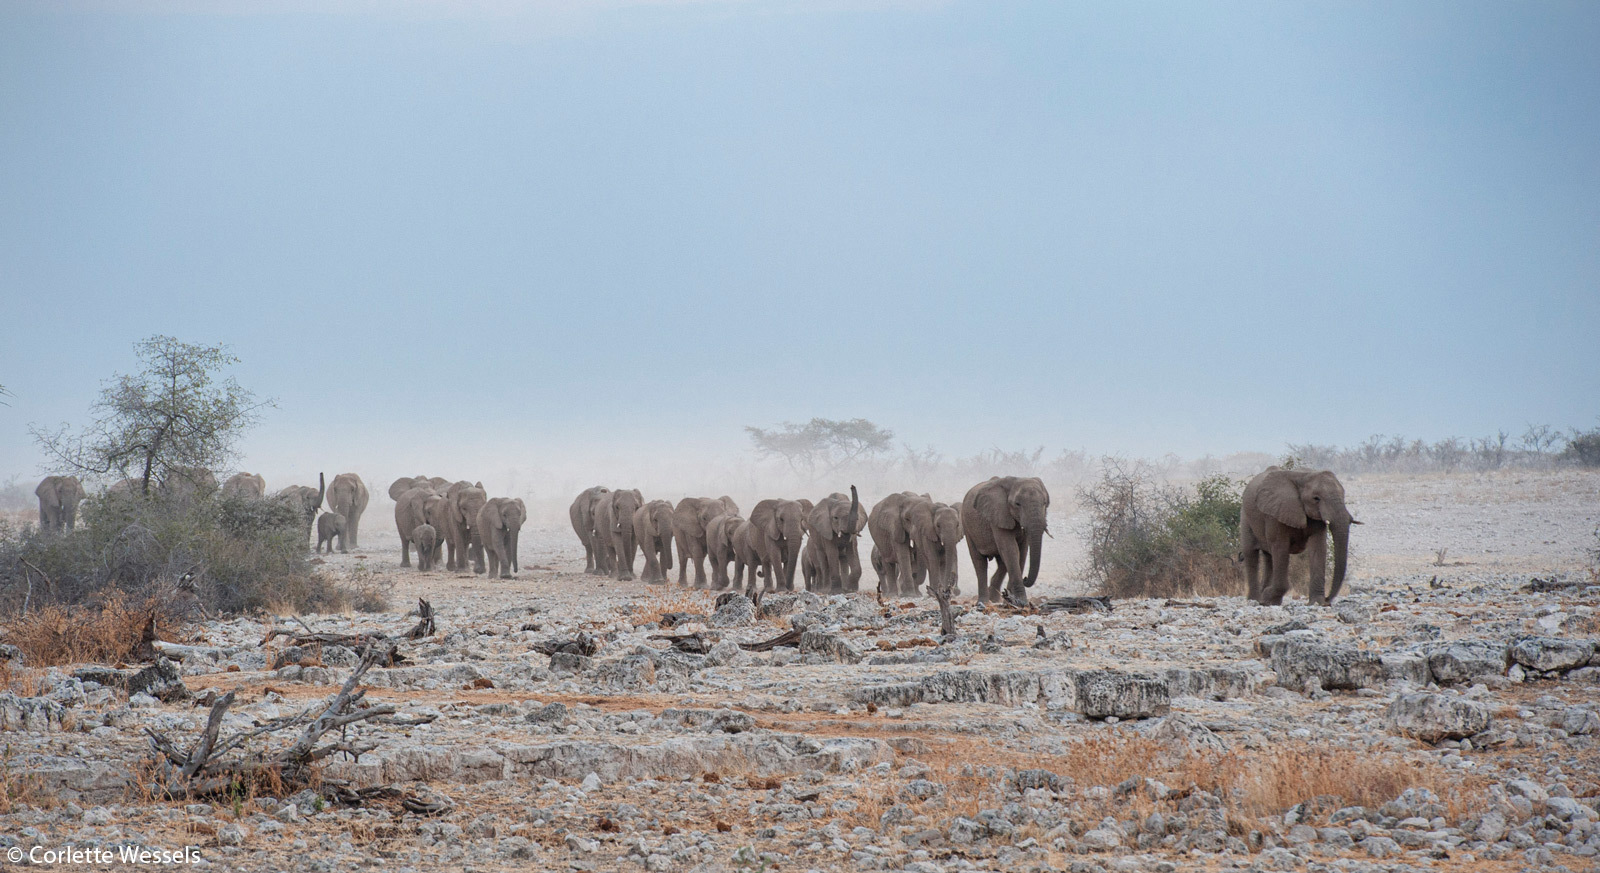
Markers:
point(560, 229)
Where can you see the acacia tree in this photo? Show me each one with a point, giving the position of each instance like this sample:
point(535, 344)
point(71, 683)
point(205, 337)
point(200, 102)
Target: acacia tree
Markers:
point(175, 414)
point(821, 446)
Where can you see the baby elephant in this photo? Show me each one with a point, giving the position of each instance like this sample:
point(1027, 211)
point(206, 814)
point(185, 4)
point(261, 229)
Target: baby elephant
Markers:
point(426, 538)
point(330, 525)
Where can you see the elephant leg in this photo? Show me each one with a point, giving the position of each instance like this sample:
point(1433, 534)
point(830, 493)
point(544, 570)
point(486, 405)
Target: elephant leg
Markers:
point(852, 555)
point(1011, 562)
point(1252, 576)
point(980, 568)
point(904, 570)
point(405, 549)
point(1279, 584)
point(1317, 554)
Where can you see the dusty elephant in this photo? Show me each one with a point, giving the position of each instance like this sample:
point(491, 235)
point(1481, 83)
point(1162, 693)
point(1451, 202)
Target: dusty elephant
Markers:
point(835, 525)
point(582, 514)
point(499, 524)
point(330, 525)
point(777, 533)
point(59, 497)
point(1005, 520)
point(652, 524)
point(406, 483)
point(746, 556)
point(689, 522)
point(1286, 512)
point(719, 548)
point(463, 501)
point(247, 485)
point(347, 495)
point(192, 482)
point(613, 524)
point(306, 500)
point(936, 529)
point(410, 511)
point(898, 568)
point(425, 537)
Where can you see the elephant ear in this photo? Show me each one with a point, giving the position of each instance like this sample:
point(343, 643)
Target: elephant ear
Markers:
point(993, 507)
point(806, 505)
point(764, 518)
point(637, 496)
point(1280, 499)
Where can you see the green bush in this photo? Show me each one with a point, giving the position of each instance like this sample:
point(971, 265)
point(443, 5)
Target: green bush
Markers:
point(1153, 540)
point(241, 555)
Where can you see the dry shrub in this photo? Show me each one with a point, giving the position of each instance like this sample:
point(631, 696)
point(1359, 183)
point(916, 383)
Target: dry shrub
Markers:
point(105, 632)
point(1149, 539)
point(673, 600)
point(23, 681)
point(23, 790)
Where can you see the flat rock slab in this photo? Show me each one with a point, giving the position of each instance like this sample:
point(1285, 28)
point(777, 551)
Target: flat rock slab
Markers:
point(1466, 661)
point(1433, 717)
point(1299, 662)
point(1551, 654)
point(1094, 693)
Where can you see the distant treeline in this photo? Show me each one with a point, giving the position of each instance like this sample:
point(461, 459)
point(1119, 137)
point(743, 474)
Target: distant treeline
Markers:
point(1539, 447)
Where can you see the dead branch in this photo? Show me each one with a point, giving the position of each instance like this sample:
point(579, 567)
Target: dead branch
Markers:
point(787, 638)
point(425, 627)
point(1076, 605)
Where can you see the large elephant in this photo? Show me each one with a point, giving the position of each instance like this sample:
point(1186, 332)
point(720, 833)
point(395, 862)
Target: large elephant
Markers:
point(613, 525)
point(899, 569)
point(689, 522)
point(1005, 520)
point(720, 548)
point(410, 512)
point(59, 497)
point(464, 500)
point(835, 524)
point(306, 500)
point(652, 524)
point(777, 533)
point(936, 529)
point(1286, 512)
point(499, 524)
point(247, 485)
point(582, 514)
point(347, 495)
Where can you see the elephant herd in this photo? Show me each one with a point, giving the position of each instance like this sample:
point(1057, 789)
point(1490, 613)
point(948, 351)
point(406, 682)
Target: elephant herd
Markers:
point(914, 537)
point(460, 519)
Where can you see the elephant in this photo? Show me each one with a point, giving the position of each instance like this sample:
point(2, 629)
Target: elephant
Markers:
point(404, 484)
point(305, 499)
point(613, 525)
point(129, 485)
point(776, 534)
point(1005, 520)
point(463, 500)
point(652, 524)
point(811, 565)
point(936, 528)
point(582, 514)
point(719, 548)
point(59, 497)
point(329, 525)
point(498, 525)
point(347, 495)
point(191, 482)
point(689, 522)
point(410, 511)
point(425, 537)
point(901, 569)
point(247, 485)
point(1286, 512)
point(746, 556)
point(835, 524)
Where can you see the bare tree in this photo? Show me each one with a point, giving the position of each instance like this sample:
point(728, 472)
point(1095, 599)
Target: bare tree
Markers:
point(173, 414)
point(821, 446)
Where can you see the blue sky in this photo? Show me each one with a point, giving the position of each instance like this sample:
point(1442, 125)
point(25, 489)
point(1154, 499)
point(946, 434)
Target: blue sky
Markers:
point(557, 229)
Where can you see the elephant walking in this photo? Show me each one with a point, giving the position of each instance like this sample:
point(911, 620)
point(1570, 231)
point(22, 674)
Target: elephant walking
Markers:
point(411, 511)
point(582, 514)
point(1286, 512)
point(1005, 520)
point(613, 525)
point(690, 521)
point(936, 528)
point(463, 502)
point(720, 548)
point(305, 499)
point(59, 497)
point(347, 495)
point(899, 569)
point(776, 534)
point(499, 524)
point(834, 524)
point(652, 524)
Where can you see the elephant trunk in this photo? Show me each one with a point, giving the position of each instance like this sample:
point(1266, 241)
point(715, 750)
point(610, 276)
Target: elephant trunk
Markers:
point(1341, 551)
point(1035, 529)
point(854, 518)
point(322, 489)
point(511, 547)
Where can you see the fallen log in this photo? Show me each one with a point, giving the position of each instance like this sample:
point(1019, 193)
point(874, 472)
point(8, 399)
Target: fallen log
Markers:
point(787, 638)
point(1075, 605)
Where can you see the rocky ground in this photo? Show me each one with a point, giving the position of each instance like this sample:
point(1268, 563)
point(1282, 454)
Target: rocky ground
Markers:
point(1445, 714)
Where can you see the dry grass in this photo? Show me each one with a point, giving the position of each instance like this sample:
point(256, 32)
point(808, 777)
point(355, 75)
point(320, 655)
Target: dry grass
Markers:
point(105, 632)
point(674, 600)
